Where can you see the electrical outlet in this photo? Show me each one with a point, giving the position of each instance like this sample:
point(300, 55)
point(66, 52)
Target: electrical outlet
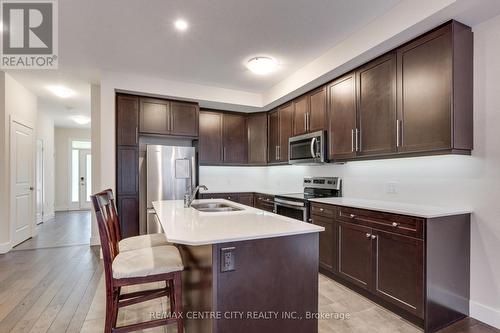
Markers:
point(227, 259)
point(392, 187)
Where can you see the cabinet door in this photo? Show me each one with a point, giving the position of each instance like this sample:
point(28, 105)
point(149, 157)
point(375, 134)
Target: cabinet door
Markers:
point(127, 120)
point(274, 136)
point(326, 242)
point(300, 115)
point(399, 270)
point(257, 138)
point(246, 199)
point(128, 213)
point(355, 254)
point(184, 119)
point(425, 83)
point(286, 125)
point(235, 138)
point(342, 118)
point(154, 116)
point(317, 112)
point(210, 140)
point(127, 170)
point(377, 117)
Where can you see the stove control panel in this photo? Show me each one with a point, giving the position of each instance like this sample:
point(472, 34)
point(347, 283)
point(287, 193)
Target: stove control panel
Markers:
point(322, 182)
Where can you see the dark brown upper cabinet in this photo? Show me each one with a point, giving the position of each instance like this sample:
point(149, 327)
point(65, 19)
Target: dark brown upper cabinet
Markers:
point(273, 136)
point(435, 83)
point(300, 115)
point(342, 118)
point(127, 120)
point(309, 112)
point(317, 110)
point(234, 150)
point(210, 139)
point(286, 130)
point(163, 117)
point(184, 119)
point(257, 138)
point(154, 116)
point(376, 110)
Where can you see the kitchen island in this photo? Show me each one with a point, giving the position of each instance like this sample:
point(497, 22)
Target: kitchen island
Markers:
point(246, 270)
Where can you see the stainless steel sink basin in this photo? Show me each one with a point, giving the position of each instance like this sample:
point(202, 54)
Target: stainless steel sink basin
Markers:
point(215, 207)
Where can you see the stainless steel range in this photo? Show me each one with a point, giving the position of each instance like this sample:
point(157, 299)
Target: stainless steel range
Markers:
point(296, 205)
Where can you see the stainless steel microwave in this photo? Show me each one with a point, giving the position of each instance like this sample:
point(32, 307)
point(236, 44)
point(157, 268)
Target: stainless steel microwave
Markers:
point(308, 148)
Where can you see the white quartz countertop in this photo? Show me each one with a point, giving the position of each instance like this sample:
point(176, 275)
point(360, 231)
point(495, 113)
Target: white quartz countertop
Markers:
point(192, 227)
point(269, 192)
point(423, 211)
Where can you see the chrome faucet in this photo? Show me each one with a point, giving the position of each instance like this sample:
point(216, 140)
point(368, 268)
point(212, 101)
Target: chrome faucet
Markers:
point(188, 198)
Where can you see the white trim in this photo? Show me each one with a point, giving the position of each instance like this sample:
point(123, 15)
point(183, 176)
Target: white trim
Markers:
point(95, 240)
point(5, 247)
point(485, 314)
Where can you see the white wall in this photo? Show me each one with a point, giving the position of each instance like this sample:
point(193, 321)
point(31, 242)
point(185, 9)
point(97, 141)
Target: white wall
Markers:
point(63, 137)
point(45, 131)
point(16, 102)
point(464, 181)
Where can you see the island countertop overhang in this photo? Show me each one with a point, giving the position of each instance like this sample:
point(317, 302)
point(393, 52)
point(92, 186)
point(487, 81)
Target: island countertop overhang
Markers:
point(189, 226)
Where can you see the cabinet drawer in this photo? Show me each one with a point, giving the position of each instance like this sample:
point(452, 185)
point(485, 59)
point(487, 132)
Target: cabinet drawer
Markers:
point(400, 224)
point(323, 210)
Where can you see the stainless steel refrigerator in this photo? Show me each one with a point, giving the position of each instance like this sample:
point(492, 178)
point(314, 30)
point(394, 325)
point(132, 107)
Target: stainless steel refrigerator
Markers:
point(170, 173)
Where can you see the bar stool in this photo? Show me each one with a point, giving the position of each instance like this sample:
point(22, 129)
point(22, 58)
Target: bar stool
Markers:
point(134, 242)
point(134, 267)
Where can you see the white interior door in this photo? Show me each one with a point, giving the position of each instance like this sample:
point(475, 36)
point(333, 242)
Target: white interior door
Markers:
point(21, 153)
point(85, 161)
point(39, 181)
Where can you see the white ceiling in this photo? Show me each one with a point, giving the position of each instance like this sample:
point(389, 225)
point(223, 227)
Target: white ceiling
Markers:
point(137, 37)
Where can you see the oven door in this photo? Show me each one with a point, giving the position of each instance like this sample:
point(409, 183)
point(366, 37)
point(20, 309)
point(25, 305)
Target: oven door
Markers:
point(307, 148)
point(289, 209)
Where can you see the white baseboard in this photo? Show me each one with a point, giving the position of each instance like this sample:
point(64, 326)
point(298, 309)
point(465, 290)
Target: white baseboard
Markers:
point(485, 314)
point(95, 241)
point(48, 217)
point(5, 247)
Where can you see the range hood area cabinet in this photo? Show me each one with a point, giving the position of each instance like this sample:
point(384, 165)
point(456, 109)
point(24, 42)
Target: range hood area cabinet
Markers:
point(309, 112)
point(280, 130)
point(164, 117)
point(223, 138)
point(415, 100)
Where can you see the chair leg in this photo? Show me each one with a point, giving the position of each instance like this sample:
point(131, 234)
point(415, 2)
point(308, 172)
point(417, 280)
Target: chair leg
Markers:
point(170, 284)
point(116, 298)
point(108, 325)
point(178, 301)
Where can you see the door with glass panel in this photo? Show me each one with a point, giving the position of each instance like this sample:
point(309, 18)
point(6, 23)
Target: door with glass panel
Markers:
point(81, 181)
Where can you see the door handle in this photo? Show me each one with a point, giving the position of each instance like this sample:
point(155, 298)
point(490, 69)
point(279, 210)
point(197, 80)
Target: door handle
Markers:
point(313, 152)
point(357, 139)
point(31, 188)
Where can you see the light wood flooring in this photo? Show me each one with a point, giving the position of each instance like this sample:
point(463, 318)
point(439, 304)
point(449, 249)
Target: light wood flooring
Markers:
point(61, 289)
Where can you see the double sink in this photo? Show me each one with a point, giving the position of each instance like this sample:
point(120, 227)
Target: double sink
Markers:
point(215, 207)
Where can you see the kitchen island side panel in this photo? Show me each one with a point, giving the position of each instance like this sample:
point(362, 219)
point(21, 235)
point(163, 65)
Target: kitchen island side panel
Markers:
point(273, 278)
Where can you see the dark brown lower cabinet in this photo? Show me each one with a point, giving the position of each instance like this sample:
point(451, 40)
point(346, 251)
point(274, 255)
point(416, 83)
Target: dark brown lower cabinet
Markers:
point(246, 199)
point(264, 202)
point(399, 270)
point(128, 211)
point(326, 246)
point(355, 254)
point(416, 267)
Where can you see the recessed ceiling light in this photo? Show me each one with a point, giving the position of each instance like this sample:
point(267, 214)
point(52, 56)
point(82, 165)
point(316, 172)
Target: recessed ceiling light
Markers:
point(61, 91)
point(81, 120)
point(262, 65)
point(181, 25)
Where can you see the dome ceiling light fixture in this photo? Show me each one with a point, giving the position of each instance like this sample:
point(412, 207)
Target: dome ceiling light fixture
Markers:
point(262, 65)
point(181, 24)
point(81, 120)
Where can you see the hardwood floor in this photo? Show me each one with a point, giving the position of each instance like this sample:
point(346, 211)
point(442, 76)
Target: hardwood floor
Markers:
point(61, 289)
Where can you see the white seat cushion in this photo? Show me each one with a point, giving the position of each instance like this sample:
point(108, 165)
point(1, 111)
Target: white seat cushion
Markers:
point(141, 242)
point(147, 261)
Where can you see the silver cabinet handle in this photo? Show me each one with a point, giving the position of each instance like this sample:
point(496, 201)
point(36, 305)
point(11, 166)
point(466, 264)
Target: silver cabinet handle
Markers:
point(352, 140)
point(305, 122)
point(368, 235)
point(373, 236)
point(279, 153)
point(224, 153)
point(398, 122)
point(321, 209)
point(394, 224)
point(352, 216)
point(137, 134)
